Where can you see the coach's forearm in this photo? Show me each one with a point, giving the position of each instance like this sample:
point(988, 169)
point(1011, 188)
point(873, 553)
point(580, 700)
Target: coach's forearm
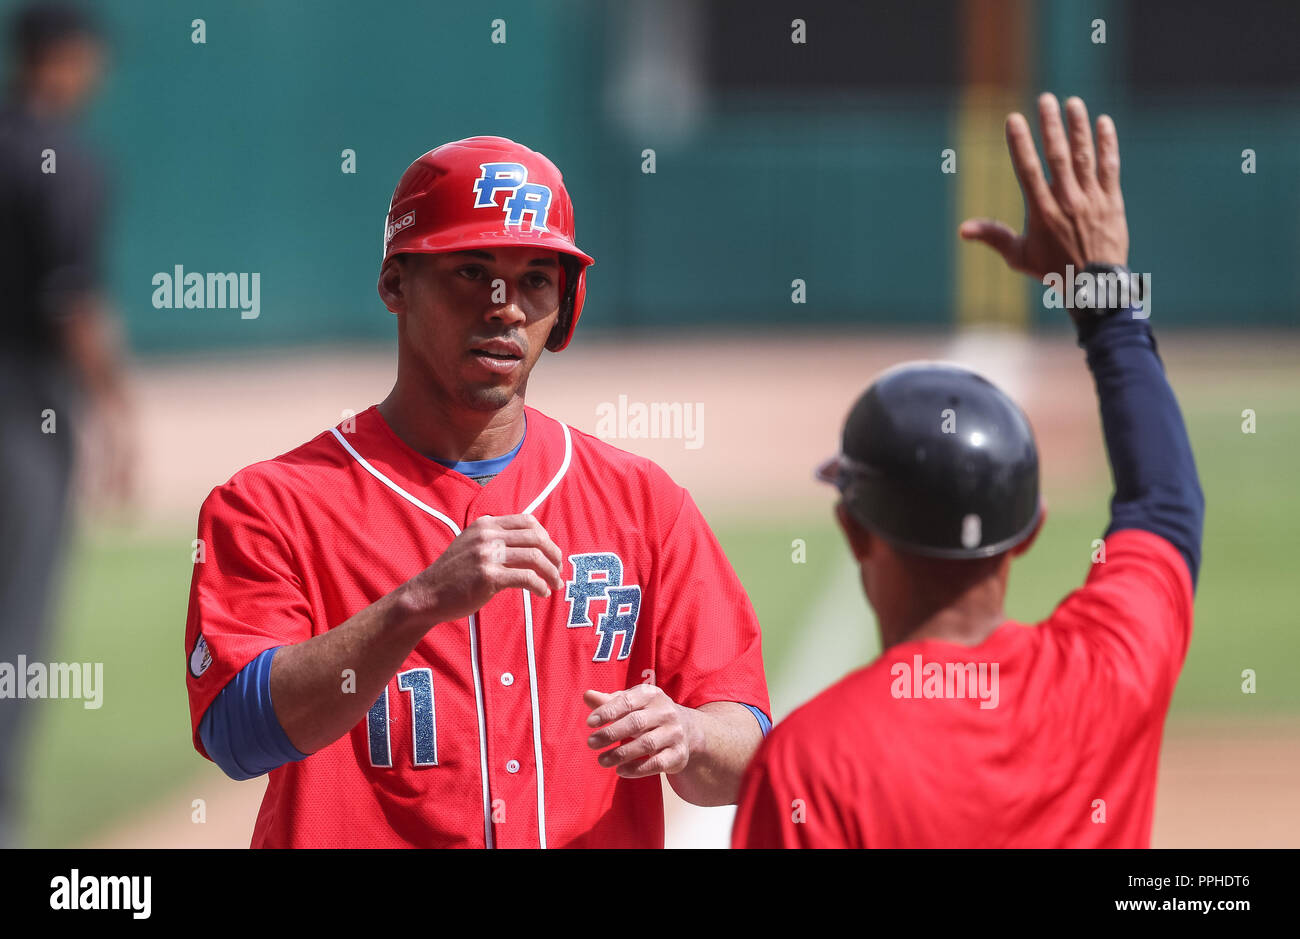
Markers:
point(1156, 485)
point(724, 738)
point(314, 700)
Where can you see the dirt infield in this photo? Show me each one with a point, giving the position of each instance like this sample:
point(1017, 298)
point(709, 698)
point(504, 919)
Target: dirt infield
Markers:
point(1228, 785)
point(770, 409)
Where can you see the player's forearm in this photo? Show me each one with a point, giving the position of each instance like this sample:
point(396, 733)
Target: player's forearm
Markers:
point(724, 738)
point(1156, 485)
point(322, 687)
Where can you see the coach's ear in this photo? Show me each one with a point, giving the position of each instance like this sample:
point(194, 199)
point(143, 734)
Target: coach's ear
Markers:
point(858, 537)
point(1033, 535)
point(391, 288)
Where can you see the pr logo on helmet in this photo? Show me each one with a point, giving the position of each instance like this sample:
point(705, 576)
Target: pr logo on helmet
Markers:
point(523, 197)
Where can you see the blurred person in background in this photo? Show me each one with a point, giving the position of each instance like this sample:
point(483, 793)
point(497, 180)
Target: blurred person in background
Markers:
point(61, 369)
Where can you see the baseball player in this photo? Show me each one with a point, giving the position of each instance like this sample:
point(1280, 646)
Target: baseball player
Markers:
point(453, 620)
point(971, 730)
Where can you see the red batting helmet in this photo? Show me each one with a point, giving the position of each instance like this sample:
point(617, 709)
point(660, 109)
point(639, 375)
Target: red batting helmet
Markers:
point(489, 191)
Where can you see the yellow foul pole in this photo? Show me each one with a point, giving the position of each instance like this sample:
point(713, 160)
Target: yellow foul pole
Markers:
point(995, 79)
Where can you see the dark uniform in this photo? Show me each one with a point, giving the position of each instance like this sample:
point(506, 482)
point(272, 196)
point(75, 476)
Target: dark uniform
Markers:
point(49, 241)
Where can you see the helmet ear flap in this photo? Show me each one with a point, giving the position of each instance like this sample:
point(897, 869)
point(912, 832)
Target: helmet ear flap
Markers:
point(571, 271)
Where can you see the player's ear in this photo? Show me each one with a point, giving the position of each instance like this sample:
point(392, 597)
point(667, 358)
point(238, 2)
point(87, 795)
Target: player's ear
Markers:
point(567, 282)
point(1033, 535)
point(391, 284)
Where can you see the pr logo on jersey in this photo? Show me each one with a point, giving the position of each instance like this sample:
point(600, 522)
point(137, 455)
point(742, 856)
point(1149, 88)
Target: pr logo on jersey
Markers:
point(200, 658)
point(521, 197)
point(599, 576)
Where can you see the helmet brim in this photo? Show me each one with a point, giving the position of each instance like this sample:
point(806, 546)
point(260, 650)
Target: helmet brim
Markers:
point(469, 237)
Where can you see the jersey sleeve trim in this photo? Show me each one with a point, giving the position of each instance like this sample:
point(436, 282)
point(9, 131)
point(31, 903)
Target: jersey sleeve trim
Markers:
point(240, 729)
point(764, 722)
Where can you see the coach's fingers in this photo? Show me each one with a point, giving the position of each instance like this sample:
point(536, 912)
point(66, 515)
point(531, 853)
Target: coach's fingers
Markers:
point(994, 234)
point(1107, 154)
point(1064, 186)
point(1081, 151)
point(1029, 171)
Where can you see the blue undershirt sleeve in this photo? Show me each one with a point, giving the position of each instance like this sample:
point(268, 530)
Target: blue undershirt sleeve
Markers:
point(1156, 485)
point(240, 730)
point(764, 724)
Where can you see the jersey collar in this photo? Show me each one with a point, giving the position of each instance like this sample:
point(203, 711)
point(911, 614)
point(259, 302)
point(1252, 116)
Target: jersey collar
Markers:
point(540, 465)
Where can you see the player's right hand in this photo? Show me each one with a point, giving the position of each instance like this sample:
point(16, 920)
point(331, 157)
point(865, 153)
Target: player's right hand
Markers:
point(1076, 219)
point(492, 554)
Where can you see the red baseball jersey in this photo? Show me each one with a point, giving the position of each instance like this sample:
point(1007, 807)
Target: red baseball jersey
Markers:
point(1041, 736)
point(480, 738)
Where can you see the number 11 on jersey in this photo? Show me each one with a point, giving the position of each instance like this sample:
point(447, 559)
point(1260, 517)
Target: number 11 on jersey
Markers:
point(418, 683)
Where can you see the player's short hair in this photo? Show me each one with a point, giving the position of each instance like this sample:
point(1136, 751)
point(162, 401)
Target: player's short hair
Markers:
point(39, 27)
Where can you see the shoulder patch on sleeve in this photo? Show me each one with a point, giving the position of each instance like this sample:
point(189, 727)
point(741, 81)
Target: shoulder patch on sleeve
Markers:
point(200, 658)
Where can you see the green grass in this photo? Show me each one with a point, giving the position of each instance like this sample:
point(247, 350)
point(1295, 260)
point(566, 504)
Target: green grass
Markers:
point(781, 588)
point(125, 601)
point(124, 605)
point(1246, 607)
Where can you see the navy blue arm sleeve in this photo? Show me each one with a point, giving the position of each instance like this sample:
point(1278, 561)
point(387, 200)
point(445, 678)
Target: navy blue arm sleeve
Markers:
point(240, 730)
point(1156, 486)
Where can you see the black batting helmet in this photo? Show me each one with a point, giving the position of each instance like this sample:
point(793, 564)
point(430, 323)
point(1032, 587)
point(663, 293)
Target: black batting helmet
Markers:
point(938, 461)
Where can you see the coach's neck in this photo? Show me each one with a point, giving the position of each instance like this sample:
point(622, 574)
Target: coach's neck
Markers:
point(918, 598)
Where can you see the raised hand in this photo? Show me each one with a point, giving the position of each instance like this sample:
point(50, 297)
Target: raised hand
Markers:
point(1078, 218)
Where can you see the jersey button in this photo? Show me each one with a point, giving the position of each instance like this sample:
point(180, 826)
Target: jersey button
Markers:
point(512, 766)
point(507, 679)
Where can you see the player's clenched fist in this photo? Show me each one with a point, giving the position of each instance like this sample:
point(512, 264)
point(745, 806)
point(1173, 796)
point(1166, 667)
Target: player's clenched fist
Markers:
point(652, 732)
point(492, 554)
